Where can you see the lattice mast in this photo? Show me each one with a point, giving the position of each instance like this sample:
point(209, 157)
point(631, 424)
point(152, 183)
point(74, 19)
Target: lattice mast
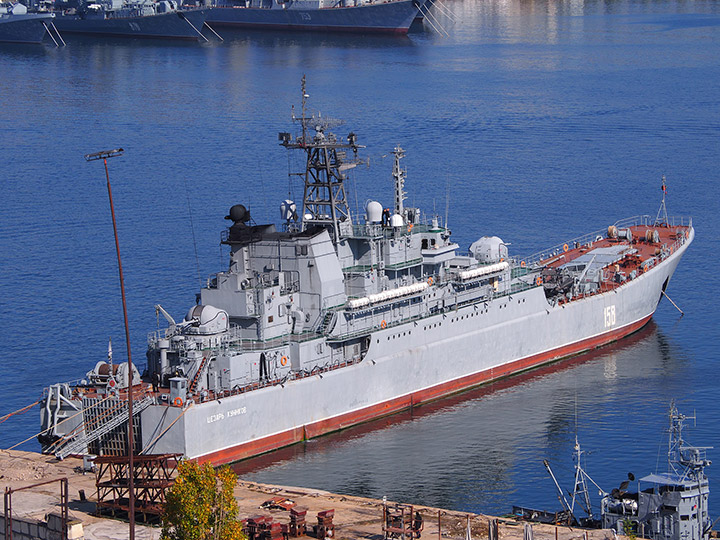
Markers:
point(324, 199)
point(580, 492)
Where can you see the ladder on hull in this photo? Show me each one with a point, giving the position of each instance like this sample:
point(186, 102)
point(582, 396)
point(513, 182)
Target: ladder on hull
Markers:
point(79, 444)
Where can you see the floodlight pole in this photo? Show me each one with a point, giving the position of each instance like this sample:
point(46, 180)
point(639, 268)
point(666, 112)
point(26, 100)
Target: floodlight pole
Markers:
point(104, 155)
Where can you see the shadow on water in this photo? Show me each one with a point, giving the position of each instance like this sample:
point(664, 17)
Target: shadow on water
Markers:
point(26, 51)
point(682, 22)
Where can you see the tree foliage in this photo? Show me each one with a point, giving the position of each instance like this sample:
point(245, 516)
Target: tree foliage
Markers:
point(201, 505)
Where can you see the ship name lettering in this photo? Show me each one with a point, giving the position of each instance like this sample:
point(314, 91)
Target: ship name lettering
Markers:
point(235, 412)
point(609, 316)
point(215, 418)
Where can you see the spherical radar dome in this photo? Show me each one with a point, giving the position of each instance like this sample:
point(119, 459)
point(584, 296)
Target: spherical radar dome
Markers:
point(374, 211)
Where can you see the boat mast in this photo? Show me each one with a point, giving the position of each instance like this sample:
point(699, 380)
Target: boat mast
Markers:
point(325, 202)
point(580, 491)
point(688, 463)
point(399, 177)
point(662, 216)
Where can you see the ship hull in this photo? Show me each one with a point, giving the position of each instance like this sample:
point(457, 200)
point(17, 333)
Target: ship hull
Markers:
point(174, 25)
point(23, 28)
point(408, 365)
point(389, 18)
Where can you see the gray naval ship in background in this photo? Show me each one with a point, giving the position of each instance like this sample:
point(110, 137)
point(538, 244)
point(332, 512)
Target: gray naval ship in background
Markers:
point(332, 320)
point(364, 16)
point(161, 19)
point(19, 26)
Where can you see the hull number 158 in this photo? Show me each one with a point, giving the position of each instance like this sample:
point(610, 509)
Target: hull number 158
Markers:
point(609, 316)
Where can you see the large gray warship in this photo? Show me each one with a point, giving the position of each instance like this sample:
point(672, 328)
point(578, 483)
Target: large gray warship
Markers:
point(19, 26)
point(330, 320)
point(162, 19)
point(364, 16)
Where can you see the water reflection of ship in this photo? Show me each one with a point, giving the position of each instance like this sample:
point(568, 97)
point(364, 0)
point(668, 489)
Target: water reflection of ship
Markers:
point(605, 363)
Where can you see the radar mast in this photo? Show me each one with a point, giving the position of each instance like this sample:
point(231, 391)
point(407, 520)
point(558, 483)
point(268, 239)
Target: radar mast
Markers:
point(399, 177)
point(325, 202)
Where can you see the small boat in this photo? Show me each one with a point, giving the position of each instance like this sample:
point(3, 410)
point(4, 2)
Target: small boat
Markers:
point(19, 26)
point(670, 505)
point(144, 19)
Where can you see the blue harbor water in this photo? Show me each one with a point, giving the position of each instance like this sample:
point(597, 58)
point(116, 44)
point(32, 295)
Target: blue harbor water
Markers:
point(534, 120)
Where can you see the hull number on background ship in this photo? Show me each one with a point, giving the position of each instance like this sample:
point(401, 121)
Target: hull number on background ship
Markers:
point(609, 316)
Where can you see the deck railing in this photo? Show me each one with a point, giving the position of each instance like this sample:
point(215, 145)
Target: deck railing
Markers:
point(587, 239)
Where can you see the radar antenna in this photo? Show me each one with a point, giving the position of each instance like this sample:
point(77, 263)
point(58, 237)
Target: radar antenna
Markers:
point(325, 202)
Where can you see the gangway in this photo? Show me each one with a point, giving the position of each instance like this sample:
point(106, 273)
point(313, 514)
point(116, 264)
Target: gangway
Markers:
point(80, 443)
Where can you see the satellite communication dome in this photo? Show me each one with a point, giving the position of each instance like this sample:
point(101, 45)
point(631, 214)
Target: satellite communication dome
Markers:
point(374, 211)
point(397, 220)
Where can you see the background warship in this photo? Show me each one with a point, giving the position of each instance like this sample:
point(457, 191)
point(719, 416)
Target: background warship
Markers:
point(139, 18)
point(19, 26)
point(394, 16)
point(332, 320)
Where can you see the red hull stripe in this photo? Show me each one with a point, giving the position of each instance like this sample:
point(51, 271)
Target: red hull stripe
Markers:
point(123, 35)
point(322, 427)
point(312, 28)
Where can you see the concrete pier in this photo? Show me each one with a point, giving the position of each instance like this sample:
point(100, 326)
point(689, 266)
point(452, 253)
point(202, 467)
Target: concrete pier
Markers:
point(355, 517)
